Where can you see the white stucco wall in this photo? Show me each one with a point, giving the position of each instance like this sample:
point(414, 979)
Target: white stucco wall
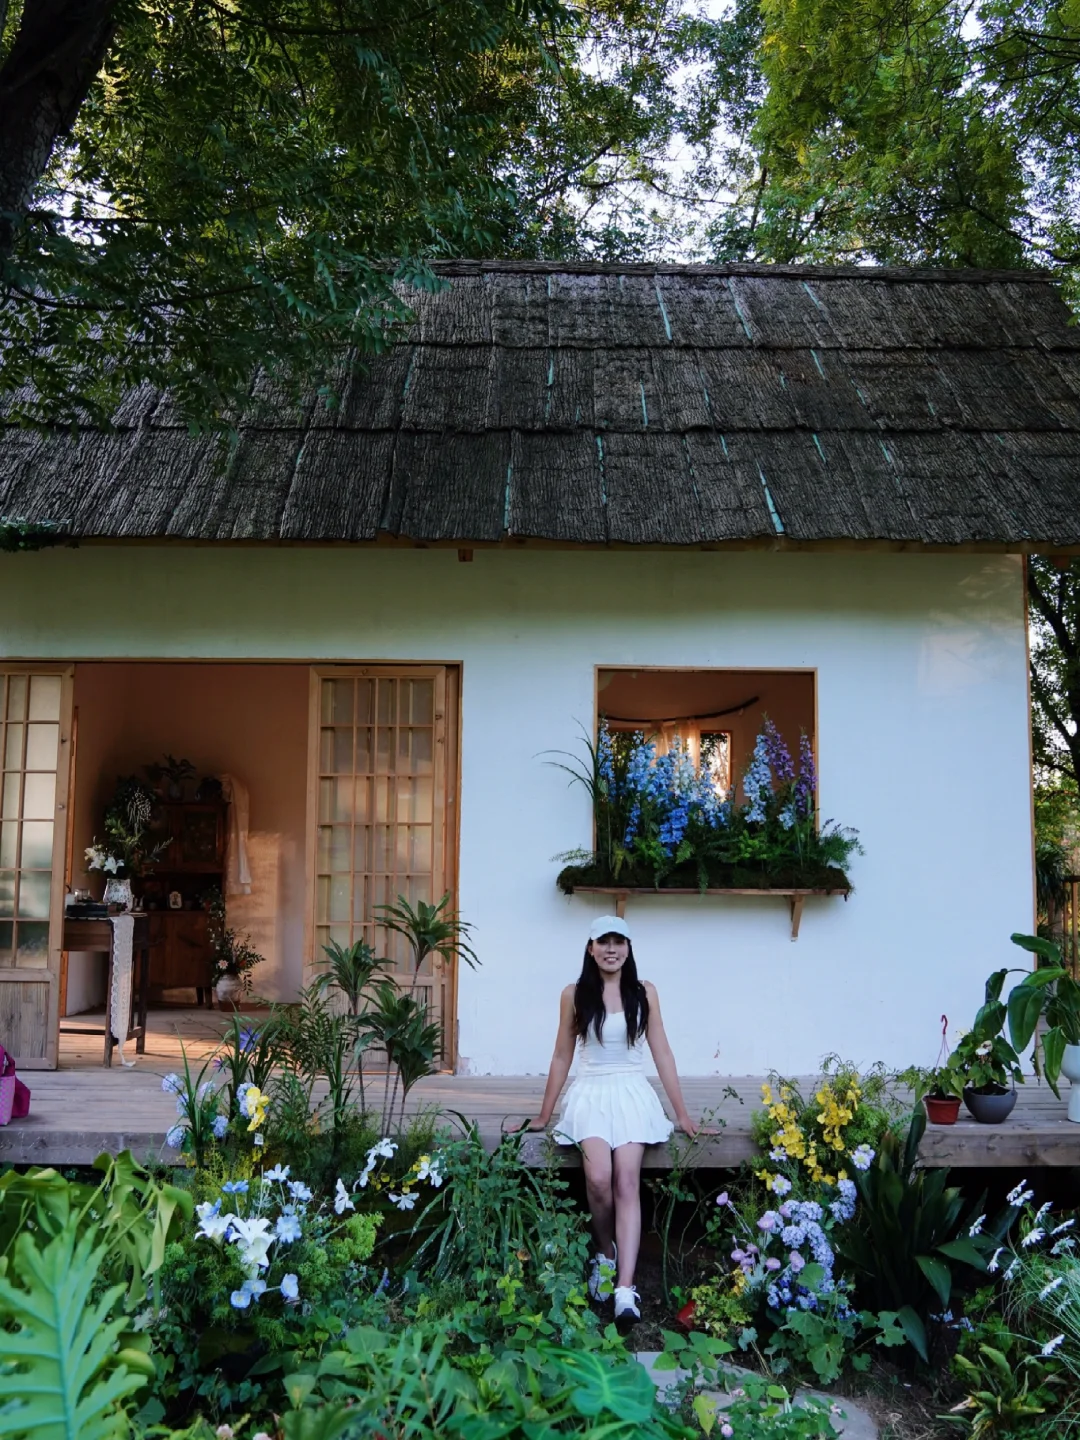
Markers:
point(922, 746)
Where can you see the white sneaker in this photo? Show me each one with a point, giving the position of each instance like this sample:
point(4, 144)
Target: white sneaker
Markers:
point(601, 1278)
point(627, 1306)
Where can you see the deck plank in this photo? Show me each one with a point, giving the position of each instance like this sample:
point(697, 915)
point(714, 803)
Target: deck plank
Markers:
point(83, 1108)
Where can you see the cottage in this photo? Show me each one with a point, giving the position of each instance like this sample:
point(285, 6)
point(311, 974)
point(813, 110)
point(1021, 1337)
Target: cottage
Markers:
point(681, 497)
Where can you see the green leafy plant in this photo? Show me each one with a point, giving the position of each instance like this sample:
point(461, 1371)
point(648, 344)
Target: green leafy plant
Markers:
point(398, 1022)
point(941, 1082)
point(232, 955)
point(62, 1375)
point(983, 1058)
point(1048, 992)
point(911, 1236)
point(429, 930)
point(350, 970)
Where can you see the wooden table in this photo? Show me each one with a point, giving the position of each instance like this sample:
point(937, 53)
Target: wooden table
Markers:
point(96, 937)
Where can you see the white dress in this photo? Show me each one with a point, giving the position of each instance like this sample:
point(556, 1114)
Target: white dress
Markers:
point(611, 1099)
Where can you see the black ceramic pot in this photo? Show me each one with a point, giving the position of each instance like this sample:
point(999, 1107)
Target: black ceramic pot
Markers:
point(990, 1109)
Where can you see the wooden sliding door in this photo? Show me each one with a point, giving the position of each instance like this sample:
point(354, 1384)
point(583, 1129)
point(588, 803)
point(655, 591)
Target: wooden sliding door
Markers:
point(383, 780)
point(35, 746)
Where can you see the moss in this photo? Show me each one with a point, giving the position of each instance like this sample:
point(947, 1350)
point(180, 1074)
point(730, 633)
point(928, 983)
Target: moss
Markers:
point(719, 877)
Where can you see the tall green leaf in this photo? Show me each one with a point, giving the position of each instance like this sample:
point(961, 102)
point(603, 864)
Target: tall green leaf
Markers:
point(65, 1384)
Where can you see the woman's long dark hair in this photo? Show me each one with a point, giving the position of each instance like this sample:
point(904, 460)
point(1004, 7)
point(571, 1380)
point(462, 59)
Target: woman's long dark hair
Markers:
point(589, 1012)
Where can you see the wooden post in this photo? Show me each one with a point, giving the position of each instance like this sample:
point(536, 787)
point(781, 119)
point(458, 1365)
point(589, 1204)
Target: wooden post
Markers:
point(796, 903)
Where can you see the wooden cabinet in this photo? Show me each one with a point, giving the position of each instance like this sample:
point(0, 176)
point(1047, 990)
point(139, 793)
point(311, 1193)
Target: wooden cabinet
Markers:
point(193, 864)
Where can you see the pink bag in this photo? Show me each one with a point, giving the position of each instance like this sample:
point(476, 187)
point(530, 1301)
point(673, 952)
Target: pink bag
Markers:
point(14, 1095)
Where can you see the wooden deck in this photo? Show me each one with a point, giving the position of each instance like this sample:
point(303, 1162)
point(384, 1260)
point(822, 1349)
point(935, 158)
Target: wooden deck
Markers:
point(82, 1109)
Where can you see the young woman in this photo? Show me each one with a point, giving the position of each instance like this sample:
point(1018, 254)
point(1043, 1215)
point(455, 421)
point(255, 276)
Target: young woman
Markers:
point(611, 1110)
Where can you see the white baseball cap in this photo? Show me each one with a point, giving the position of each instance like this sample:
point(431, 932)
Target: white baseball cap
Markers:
point(608, 925)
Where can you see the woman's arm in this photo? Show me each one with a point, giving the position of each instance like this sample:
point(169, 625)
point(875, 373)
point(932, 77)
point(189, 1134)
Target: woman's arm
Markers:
point(665, 1063)
point(561, 1060)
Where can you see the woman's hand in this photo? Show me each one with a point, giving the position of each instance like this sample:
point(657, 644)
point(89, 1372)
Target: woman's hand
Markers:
point(690, 1128)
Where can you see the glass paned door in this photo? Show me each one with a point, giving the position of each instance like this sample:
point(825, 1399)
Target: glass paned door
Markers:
point(383, 803)
point(35, 727)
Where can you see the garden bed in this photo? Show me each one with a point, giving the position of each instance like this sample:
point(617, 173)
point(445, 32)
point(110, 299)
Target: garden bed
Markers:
point(721, 880)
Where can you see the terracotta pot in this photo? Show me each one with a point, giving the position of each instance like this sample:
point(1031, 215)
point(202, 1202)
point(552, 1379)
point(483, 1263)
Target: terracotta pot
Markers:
point(992, 1108)
point(228, 992)
point(1070, 1068)
point(942, 1109)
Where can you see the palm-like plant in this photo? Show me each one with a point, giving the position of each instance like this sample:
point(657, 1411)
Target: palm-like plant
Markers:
point(399, 1023)
point(429, 930)
point(349, 969)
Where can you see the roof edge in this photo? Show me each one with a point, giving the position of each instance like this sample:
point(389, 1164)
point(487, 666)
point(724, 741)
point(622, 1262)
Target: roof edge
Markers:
point(792, 272)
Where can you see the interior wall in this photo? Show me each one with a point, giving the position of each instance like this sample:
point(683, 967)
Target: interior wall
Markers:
point(249, 721)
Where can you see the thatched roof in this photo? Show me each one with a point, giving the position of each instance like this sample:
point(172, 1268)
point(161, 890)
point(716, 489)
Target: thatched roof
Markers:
point(666, 405)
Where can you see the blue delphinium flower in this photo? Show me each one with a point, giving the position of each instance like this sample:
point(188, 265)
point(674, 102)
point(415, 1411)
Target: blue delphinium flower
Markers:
point(777, 754)
point(806, 784)
point(605, 760)
point(757, 783)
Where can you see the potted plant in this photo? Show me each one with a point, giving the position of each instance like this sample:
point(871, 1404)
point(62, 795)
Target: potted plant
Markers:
point(172, 774)
point(1048, 993)
point(126, 850)
point(233, 958)
point(940, 1090)
point(986, 1064)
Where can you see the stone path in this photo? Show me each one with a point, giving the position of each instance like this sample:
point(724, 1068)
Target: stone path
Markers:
point(854, 1424)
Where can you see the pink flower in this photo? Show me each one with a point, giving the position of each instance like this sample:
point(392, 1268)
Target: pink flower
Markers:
point(796, 1262)
point(738, 1255)
point(768, 1221)
point(726, 1430)
point(772, 1263)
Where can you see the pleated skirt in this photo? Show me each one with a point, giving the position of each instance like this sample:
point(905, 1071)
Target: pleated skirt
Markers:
point(622, 1109)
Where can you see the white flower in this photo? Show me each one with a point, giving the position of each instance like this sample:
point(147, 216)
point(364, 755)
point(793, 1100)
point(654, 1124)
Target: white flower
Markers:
point(175, 1137)
point(1062, 1247)
point(363, 1178)
point(1052, 1345)
point(1019, 1196)
point(403, 1202)
point(253, 1239)
point(384, 1149)
point(1065, 1225)
point(240, 1299)
point(977, 1225)
point(287, 1229)
point(279, 1172)
point(1033, 1237)
point(862, 1157)
point(780, 1185)
point(212, 1225)
point(290, 1288)
point(224, 1432)
point(1053, 1285)
point(112, 865)
point(260, 1435)
point(299, 1191)
point(1010, 1272)
point(985, 1048)
point(428, 1170)
point(992, 1264)
point(1042, 1210)
point(342, 1199)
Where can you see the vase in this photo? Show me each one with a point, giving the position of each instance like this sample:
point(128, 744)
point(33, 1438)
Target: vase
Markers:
point(1070, 1068)
point(992, 1108)
point(228, 991)
point(942, 1109)
point(118, 892)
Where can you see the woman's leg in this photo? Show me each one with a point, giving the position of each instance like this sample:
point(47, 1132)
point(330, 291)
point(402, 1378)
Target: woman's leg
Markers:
point(626, 1164)
point(597, 1161)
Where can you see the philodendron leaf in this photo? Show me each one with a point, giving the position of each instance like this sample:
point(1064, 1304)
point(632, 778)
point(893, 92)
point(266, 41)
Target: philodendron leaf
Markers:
point(624, 1390)
point(64, 1384)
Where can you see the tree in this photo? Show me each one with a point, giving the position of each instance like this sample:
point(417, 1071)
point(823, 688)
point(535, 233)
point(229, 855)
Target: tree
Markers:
point(190, 189)
point(903, 131)
point(1054, 594)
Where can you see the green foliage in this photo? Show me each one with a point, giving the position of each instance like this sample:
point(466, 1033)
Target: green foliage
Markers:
point(233, 954)
point(1048, 993)
point(910, 1238)
point(429, 930)
point(349, 971)
point(62, 1375)
point(133, 1214)
point(983, 1058)
point(16, 535)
